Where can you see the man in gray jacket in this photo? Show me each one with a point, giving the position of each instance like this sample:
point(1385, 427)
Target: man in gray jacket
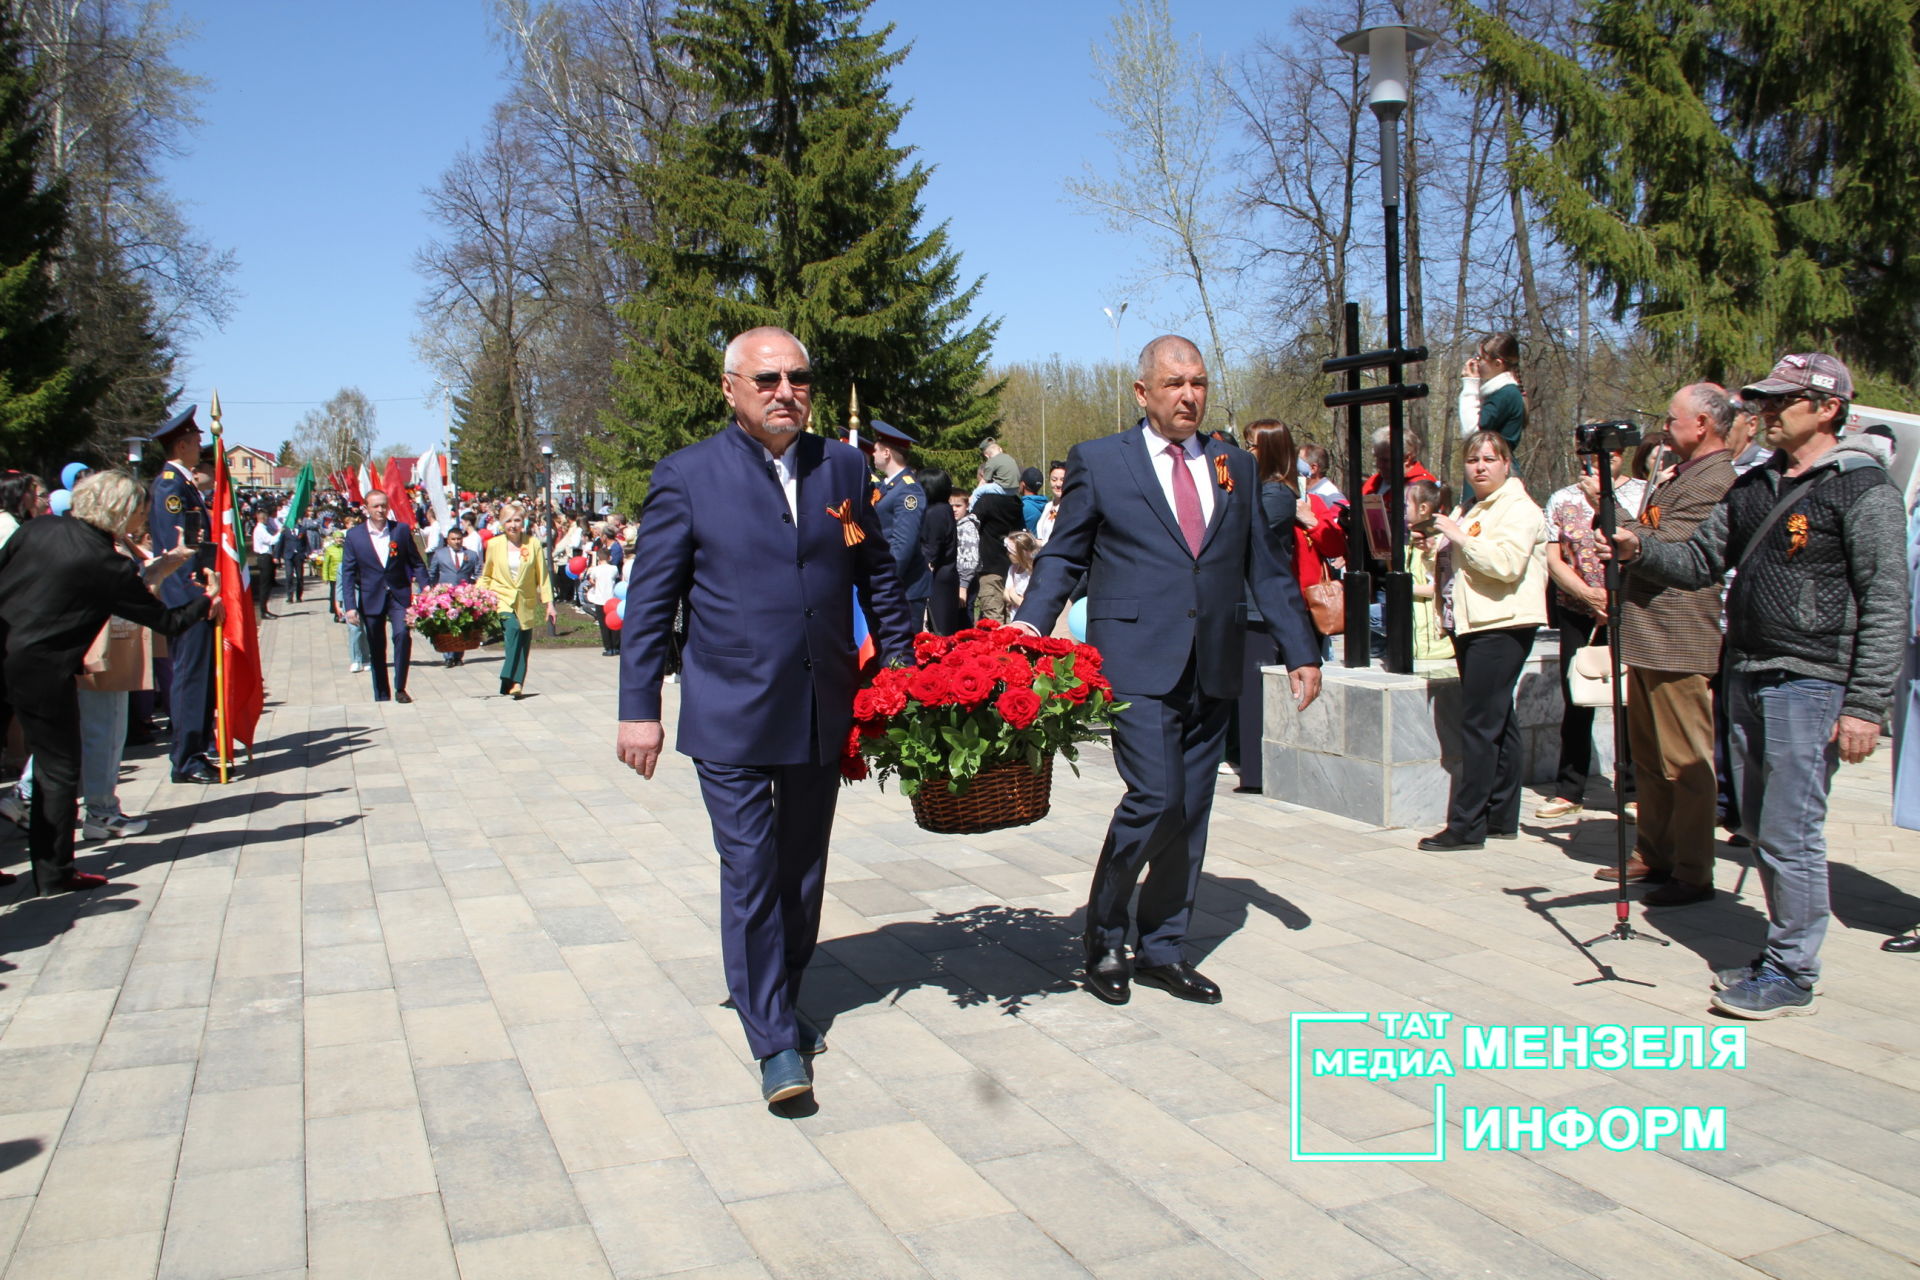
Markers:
point(1816, 630)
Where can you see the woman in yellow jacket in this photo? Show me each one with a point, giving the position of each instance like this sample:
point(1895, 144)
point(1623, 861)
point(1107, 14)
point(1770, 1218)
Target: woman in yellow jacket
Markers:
point(1498, 552)
point(515, 570)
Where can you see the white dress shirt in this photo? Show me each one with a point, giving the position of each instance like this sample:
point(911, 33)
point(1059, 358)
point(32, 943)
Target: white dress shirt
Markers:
point(382, 542)
point(1196, 451)
point(784, 472)
point(262, 539)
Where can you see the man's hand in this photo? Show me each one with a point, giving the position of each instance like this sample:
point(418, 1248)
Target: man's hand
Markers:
point(1857, 738)
point(1027, 627)
point(1625, 547)
point(1305, 682)
point(551, 615)
point(639, 745)
point(353, 617)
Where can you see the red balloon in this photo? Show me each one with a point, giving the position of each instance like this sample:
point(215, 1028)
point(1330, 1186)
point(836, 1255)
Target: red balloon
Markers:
point(577, 566)
point(614, 620)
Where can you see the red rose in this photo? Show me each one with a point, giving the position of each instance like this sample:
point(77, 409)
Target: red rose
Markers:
point(1044, 667)
point(927, 646)
point(1058, 646)
point(1019, 707)
point(1086, 659)
point(931, 685)
point(1076, 693)
point(1016, 671)
point(890, 700)
point(968, 633)
point(853, 765)
point(863, 705)
point(972, 683)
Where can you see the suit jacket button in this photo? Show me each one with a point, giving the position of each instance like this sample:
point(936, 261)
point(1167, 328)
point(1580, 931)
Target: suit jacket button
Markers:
point(807, 663)
point(799, 564)
point(809, 613)
point(1193, 613)
point(786, 517)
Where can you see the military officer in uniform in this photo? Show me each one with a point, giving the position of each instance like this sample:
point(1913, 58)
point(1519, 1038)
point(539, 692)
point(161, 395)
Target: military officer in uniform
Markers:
point(900, 505)
point(179, 515)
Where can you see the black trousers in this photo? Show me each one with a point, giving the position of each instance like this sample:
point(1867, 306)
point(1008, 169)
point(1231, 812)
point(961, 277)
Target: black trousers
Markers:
point(1728, 805)
point(1486, 790)
point(190, 694)
point(262, 582)
point(1576, 726)
point(296, 578)
point(608, 640)
point(1167, 750)
point(49, 716)
point(945, 613)
point(377, 627)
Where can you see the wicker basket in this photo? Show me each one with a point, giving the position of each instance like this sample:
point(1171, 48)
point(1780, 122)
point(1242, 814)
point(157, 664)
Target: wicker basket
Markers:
point(1008, 795)
point(457, 641)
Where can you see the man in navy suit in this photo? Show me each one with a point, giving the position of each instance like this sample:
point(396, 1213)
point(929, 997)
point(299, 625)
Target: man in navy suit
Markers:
point(378, 567)
point(764, 531)
point(1166, 526)
point(451, 565)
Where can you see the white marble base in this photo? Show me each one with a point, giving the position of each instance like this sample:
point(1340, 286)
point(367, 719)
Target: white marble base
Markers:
point(1382, 748)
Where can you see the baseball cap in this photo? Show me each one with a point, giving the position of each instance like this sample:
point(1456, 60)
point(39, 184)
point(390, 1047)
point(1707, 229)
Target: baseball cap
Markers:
point(1814, 371)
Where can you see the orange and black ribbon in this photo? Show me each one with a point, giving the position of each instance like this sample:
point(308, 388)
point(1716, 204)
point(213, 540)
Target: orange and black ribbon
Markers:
point(1220, 472)
point(1796, 534)
point(850, 531)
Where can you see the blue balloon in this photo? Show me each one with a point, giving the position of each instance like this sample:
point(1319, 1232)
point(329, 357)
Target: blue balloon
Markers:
point(60, 502)
point(620, 591)
point(1077, 619)
point(71, 473)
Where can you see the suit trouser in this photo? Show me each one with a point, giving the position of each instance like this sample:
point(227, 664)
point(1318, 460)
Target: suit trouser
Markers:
point(1670, 723)
point(295, 570)
point(770, 826)
point(1245, 746)
point(50, 720)
point(376, 626)
point(1486, 791)
point(263, 567)
point(1168, 750)
point(189, 700)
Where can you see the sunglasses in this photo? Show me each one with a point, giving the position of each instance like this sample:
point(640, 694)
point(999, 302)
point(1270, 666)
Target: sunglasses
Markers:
point(1775, 403)
point(798, 379)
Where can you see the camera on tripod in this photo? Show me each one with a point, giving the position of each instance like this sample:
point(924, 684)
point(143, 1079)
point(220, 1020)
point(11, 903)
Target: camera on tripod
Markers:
point(1617, 436)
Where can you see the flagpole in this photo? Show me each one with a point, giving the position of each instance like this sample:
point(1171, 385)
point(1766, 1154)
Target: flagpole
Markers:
point(220, 628)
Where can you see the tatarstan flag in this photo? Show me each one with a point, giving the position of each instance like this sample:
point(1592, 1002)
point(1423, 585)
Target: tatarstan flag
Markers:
point(242, 691)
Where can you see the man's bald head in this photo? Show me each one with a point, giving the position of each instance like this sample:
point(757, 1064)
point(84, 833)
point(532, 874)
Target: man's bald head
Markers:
point(1171, 344)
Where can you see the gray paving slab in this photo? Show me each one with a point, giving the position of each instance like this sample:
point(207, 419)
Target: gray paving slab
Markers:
point(436, 991)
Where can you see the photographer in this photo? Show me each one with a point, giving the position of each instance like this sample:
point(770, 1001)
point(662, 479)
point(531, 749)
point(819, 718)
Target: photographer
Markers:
point(1817, 620)
point(60, 580)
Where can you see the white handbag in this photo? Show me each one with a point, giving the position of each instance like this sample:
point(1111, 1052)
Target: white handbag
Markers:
point(1590, 674)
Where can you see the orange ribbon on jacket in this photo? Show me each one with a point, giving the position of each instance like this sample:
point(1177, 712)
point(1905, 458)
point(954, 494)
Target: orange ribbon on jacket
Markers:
point(1220, 472)
point(850, 531)
point(1796, 534)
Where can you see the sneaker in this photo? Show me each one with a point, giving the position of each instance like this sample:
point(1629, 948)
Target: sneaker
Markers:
point(1724, 978)
point(106, 825)
point(357, 668)
point(1558, 808)
point(14, 809)
point(1767, 994)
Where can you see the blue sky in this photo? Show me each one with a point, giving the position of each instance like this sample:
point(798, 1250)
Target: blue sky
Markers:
point(324, 122)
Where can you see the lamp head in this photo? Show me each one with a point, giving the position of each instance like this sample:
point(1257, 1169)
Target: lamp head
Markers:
point(1386, 49)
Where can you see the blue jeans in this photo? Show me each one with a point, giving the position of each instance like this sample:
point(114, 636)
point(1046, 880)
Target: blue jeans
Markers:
point(1784, 759)
point(103, 737)
point(357, 646)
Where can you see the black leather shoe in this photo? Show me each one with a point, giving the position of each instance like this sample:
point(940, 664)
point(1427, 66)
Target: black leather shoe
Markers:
point(1678, 893)
point(1503, 835)
point(403, 696)
point(1181, 979)
point(1447, 842)
point(1108, 972)
point(196, 771)
point(1905, 944)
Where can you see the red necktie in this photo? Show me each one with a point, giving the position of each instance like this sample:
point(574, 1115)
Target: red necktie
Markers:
point(1186, 499)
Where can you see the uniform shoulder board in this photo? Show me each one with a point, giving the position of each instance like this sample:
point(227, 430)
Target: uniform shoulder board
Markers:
point(906, 477)
point(912, 503)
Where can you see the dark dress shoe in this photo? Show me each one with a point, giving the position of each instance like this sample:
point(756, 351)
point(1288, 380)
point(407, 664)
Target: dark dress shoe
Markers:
point(1447, 842)
point(1906, 944)
point(1503, 835)
point(784, 1075)
point(1678, 893)
point(1108, 973)
point(1180, 979)
point(196, 771)
point(403, 696)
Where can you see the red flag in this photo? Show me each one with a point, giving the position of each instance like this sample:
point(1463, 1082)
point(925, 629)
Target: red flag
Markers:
point(241, 691)
point(350, 485)
point(396, 489)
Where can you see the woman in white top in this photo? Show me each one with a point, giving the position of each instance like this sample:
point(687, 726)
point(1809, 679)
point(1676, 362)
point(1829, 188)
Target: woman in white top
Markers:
point(599, 594)
point(1021, 549)
point(22, 497)
point(264, 536)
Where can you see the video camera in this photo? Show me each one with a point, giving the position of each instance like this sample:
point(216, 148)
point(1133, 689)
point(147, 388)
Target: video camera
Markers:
point(1617, 436)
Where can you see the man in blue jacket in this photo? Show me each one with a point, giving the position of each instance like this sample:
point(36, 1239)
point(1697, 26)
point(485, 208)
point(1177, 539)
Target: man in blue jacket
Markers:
point(1165, 525)
point(378, 566)
point(764, 531)
point(178, 517)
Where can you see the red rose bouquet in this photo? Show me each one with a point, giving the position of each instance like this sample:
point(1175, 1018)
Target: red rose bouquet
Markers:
point(987, 696)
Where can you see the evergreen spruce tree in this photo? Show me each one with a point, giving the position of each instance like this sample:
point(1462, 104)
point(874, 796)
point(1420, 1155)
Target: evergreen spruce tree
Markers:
point(785, 201)
point(42, 397)
point(1743, 177)
point(483, 430)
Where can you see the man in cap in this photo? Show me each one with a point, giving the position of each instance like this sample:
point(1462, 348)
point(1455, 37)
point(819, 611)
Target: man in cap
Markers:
point(998, 467)
point(178, 517)
point(901, 507)
point(1817, 624)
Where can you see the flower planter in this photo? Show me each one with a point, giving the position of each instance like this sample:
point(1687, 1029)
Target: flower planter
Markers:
point(457, 641)
point(1007, 795)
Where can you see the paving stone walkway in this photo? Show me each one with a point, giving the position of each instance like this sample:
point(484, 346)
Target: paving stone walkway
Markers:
point(433, 991)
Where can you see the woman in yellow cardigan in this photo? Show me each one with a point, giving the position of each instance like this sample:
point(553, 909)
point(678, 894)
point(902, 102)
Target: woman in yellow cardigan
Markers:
point(515, 570)
point(1498, 547)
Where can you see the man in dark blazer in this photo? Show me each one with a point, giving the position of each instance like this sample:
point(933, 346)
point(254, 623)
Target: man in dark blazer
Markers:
point(1165, 524)
point(453, 564)
point(378, 566)
point(764, 531)
point(178, 517)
